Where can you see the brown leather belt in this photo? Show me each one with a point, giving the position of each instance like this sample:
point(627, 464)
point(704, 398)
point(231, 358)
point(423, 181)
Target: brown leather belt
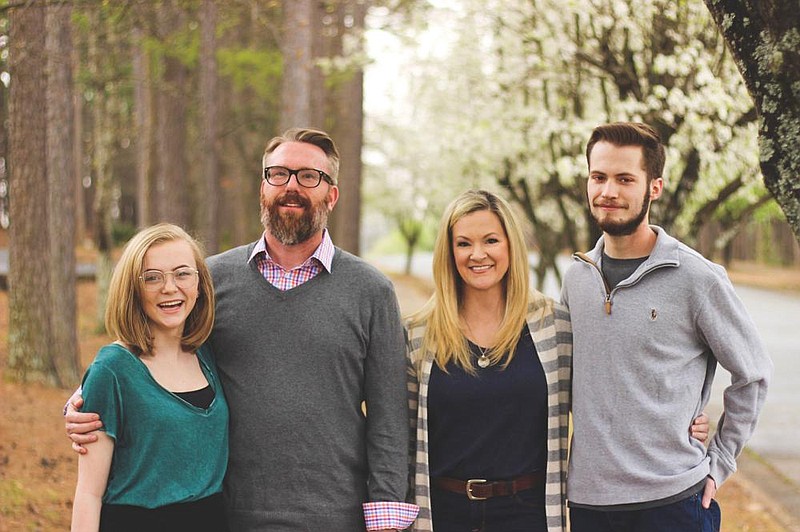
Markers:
point(479, 489)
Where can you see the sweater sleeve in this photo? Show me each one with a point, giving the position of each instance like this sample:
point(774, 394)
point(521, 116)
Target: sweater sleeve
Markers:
point(387, 416)
point(734, 341)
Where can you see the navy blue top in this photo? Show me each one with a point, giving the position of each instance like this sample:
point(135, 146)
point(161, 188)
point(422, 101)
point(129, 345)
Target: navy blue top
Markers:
point(492, 425)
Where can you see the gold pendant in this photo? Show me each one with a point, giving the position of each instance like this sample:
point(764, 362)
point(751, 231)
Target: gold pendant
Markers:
point(483, 361)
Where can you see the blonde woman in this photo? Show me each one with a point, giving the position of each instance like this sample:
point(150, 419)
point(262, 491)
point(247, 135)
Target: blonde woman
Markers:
point(489, 384)
point(161, 454)
point(489, 381)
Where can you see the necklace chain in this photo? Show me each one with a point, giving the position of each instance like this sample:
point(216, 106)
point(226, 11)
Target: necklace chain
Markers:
point(483, 359)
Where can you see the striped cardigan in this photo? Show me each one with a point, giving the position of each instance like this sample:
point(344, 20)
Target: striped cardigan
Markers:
point(552, 336)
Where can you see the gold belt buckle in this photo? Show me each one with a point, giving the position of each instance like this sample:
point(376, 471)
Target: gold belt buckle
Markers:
point(472, 482)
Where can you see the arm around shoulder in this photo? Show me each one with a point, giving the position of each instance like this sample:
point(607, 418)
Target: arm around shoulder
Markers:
point(80, 426)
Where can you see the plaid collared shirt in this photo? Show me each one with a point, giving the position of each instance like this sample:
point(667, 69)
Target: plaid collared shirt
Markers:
point(283, 279)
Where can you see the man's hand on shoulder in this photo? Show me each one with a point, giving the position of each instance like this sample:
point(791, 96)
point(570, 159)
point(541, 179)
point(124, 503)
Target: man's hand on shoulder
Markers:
point(79, 425)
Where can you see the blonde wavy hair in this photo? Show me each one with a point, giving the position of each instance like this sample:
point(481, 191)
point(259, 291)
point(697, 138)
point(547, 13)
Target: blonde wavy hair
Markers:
point(125, 318)
point(440, 315)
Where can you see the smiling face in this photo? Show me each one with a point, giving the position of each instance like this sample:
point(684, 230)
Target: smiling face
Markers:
point(168, 307)
point(480, 251)
point(618, 190)
point(291, 213)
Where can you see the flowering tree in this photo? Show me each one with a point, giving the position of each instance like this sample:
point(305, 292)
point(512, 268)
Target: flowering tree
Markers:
point(515, 87)
point(419, 158)
point(548, 71)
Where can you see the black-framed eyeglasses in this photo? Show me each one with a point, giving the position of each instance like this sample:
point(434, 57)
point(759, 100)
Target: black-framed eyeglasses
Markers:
point(153, 280)
point(306, 177)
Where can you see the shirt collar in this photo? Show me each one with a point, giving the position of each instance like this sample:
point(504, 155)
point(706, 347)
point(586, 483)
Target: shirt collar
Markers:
point(324, 252)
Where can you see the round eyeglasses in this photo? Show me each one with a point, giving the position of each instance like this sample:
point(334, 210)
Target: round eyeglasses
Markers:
point(156, 279)
point(306, 177)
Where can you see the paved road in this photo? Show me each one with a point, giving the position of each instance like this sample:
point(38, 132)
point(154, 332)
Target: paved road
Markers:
point(777, 437)
point(777, 316)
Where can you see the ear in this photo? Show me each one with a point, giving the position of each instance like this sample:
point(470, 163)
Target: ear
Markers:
point(656, 188)
point(333, 196)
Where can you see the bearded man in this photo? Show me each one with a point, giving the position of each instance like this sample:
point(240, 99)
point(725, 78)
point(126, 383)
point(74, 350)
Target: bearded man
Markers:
point(304, 334)
point(651, 318)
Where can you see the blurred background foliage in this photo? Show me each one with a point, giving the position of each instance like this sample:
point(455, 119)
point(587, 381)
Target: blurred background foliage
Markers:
point(118, 114)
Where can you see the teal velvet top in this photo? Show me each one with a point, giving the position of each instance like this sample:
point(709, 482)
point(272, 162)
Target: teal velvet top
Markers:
point(166, 450)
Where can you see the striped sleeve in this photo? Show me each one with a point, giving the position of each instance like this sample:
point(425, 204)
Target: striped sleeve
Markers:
point(551, 331)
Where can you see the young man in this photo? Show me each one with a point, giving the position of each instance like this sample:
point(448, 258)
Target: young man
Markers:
point(651, 318)
point(305, 333)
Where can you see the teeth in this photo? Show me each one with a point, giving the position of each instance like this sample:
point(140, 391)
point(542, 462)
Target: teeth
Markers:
point(170, 304)
point(481, 268)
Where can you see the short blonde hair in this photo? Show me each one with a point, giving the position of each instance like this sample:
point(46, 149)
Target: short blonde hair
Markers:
point(125, 318)
point(443, 335)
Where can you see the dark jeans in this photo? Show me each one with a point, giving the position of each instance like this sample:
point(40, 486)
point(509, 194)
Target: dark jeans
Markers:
point(523, 512)
point(683, 516)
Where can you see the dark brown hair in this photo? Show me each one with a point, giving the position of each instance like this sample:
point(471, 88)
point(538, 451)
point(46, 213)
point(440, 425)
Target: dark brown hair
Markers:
point(632, 134)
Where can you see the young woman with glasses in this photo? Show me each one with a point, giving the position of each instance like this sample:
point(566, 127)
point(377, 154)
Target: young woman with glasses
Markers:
point(162, 450)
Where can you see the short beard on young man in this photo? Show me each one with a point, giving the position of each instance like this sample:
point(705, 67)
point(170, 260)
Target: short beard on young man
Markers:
point(292, 229)
point(624, 227)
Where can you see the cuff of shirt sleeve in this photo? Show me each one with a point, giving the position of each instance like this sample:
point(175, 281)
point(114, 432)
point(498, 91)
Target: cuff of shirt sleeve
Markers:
point(381, 515)
point(720, 468)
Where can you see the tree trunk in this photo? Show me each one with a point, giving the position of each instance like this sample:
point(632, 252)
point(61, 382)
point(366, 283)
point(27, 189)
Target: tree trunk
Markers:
point(3, 159)
point(348, 131)
point(318, 92)
point(210, 127)
point(81, 229)
point(101, 162)
point(762, 36)
point(143, 123)
point(29, 255)
point(411, 230)
point(171, 187)
point(298, 62)
point(666, 211)
point(61, 183)
point(171, 178)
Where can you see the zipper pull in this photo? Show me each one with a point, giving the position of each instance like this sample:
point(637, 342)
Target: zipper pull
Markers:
point(608, 304)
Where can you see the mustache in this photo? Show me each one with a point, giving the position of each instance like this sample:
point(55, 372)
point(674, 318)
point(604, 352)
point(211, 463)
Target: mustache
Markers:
point(608, 204)
point(293, 198)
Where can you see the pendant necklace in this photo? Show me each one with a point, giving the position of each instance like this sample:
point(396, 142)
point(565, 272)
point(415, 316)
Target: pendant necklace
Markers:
point(483, 360)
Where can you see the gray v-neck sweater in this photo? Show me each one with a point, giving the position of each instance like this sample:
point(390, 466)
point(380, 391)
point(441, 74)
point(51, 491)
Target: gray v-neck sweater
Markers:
point(296, 366)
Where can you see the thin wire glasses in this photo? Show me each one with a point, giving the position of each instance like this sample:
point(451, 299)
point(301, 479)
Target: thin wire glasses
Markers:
point(156, 279)
point(306, 177)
